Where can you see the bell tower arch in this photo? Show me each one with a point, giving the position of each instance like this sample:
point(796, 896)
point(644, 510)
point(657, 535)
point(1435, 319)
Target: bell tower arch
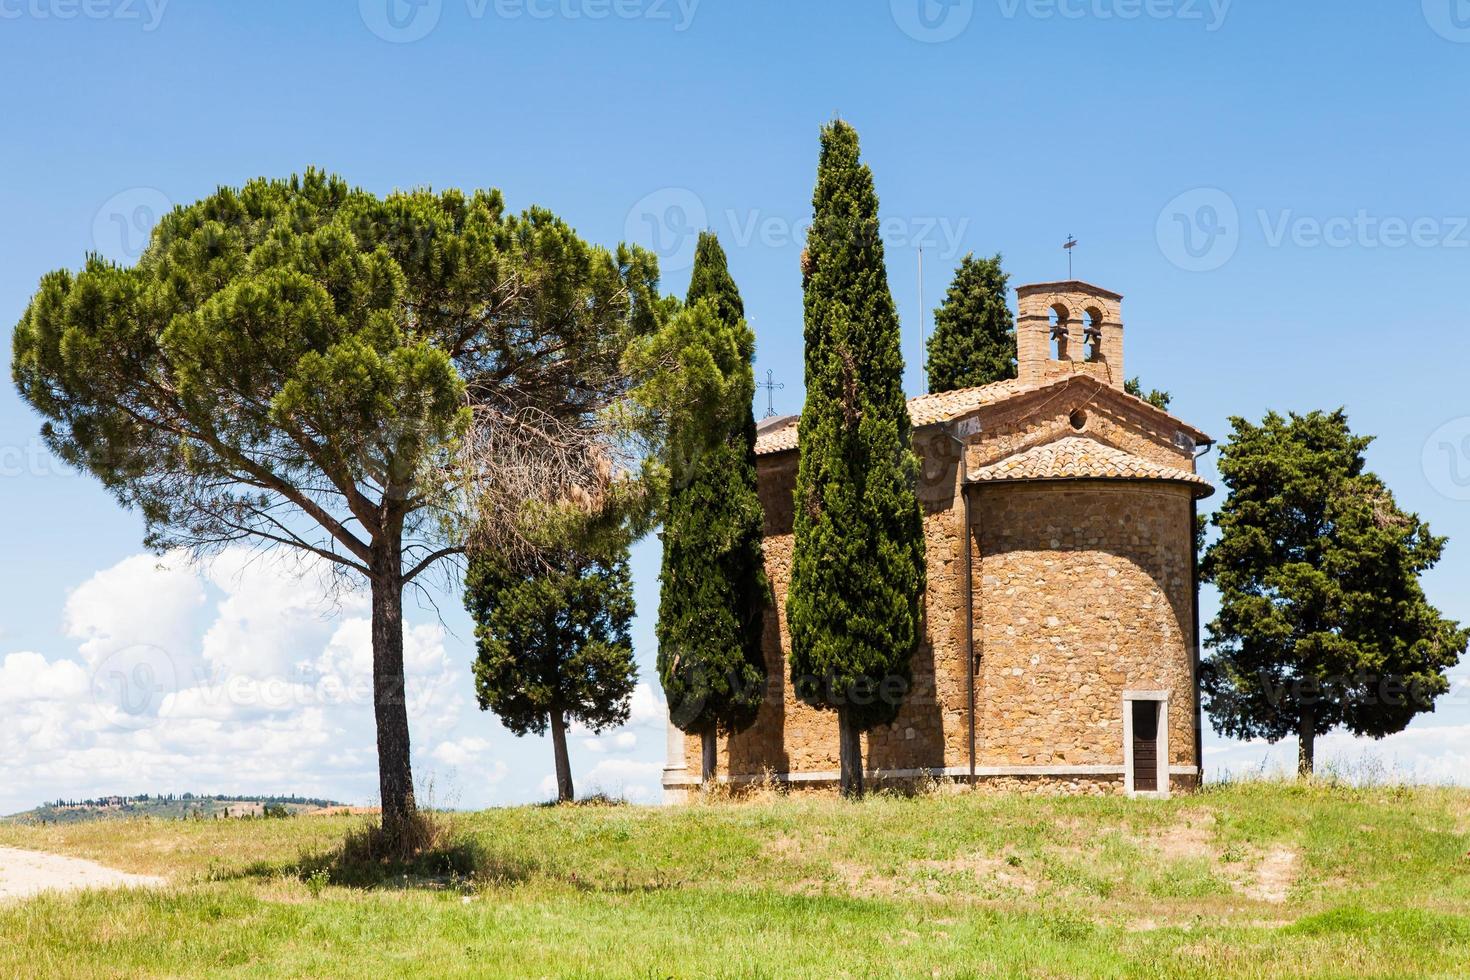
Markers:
point(1067, 328)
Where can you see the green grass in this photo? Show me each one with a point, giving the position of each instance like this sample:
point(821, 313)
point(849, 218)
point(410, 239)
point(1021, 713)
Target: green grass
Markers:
point(1256, 879)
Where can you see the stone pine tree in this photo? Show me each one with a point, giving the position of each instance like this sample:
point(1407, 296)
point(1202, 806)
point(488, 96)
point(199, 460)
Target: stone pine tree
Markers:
point(552, 641)
point(713, 589)
point(858, 564)
point(974, 340)
point(1322, 620)
point(302, 364)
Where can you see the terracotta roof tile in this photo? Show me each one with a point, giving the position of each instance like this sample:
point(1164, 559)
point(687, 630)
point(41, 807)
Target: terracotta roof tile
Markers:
point(924, 410)
point(1078, 458)
point(779, 434)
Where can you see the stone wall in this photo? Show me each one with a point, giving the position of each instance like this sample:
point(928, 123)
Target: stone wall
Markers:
point(1083, 590)
point(792, 737)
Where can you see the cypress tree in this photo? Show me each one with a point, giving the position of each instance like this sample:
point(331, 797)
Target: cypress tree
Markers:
point(858, 565)
point(974, 341)
point(713, 588)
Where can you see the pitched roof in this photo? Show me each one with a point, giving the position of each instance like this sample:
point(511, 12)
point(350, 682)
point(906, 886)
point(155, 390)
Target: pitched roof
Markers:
point(1080, 458)
point(779, 434)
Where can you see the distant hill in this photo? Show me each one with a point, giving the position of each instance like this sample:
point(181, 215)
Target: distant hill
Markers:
point(171, 806)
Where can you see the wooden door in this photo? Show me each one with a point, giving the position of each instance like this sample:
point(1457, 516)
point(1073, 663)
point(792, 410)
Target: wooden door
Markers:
point(1145, 746)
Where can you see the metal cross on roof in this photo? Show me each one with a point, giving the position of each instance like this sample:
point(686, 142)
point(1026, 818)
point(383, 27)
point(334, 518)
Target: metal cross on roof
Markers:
point(1071, 243)
point(771, 386)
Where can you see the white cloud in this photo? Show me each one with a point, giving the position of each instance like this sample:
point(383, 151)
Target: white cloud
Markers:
point(144, 600)
point(637, 781)
point(462, 752)
point(616, 742)
point(27, 678)
point(240, 675)
point(648, 708)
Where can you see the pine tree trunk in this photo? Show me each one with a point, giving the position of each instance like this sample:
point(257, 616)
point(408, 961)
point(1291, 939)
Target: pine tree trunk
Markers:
point(850, 740)
point(709, 748)
point(390, 706)
point(1307, 744)
point(564, 792)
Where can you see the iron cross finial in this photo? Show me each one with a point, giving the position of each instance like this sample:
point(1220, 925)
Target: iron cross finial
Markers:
point(771, 386)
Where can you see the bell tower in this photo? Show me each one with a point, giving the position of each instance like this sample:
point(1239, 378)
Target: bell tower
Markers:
point(1067, 328)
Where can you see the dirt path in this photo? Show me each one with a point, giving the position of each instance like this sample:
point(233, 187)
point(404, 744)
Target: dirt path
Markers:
point(26, 873)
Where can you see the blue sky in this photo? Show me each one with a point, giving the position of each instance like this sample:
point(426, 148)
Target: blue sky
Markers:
point(1277, 189)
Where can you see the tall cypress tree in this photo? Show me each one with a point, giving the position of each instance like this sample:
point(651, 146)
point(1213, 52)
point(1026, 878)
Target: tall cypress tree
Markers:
point(858, 567)
point(974, 340)
point(713, 586)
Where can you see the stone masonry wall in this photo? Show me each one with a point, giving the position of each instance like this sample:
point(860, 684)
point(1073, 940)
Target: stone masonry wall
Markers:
point(792, 737)
point(1083, 591)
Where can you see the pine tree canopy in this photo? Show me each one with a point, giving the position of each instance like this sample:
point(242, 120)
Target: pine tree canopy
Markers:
point(858, 563)
point(1323, 622)
point(974, 340)
point(303, 364)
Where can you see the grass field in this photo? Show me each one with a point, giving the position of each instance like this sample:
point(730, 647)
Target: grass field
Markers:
point(1254, 879)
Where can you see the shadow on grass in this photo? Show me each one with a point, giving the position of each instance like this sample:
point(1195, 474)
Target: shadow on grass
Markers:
point(432, 856)
point(436, 856)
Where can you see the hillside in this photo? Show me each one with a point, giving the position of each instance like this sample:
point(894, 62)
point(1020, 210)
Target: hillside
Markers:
point(186, 806)
point(1258, 879)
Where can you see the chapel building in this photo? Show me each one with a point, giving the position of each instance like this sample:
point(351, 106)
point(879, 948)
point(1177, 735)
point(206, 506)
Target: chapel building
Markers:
point(1060, 644)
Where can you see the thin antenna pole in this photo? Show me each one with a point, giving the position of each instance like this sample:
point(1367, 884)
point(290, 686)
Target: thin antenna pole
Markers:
point(923, 349)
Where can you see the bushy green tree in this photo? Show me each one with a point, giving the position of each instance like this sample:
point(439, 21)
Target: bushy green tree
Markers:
point(858, 566)
point(713, 590)
point(1323, 622)
point(552, 641)
point(974, 340)
point(1158, 399)
point(304, 364)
